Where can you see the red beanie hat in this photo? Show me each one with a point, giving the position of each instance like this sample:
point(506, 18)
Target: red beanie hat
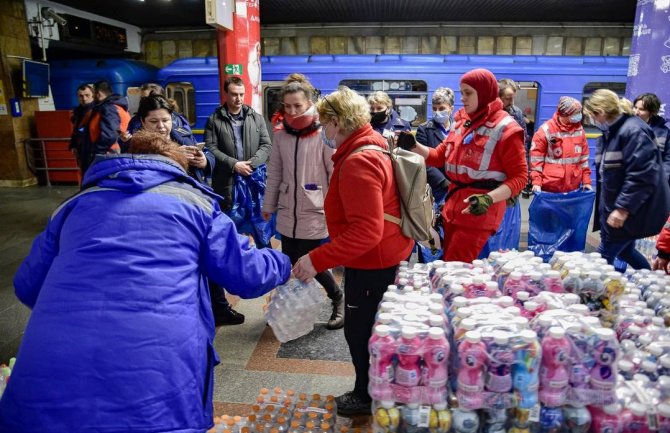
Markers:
point(484, 83)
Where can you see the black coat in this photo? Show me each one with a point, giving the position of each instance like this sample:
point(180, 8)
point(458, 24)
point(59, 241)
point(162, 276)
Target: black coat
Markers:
point(630, 176)
point(430, 135)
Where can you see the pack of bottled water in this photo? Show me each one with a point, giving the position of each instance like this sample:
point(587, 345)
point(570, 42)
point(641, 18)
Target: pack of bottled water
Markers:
point(293, 309)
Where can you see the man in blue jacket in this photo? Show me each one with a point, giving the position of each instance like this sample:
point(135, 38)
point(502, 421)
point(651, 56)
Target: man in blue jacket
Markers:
point(120, 336)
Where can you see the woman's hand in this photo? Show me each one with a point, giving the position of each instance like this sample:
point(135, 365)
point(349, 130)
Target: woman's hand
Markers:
point(196, 157)
point(587, 187)
point(266, 216)
point(537, 188)
point(303, 269)
point(617, 218)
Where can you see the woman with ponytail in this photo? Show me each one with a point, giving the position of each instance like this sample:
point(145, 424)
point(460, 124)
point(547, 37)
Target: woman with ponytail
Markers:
point(298, 176)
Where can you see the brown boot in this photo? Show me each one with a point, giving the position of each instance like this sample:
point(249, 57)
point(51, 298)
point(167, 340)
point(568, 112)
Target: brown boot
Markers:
point(336, 320)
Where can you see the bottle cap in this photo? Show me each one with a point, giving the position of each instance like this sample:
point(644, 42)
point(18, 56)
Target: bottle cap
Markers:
point(505, 301)
point(638, 409)
point(440, 406)
point(310, 425)
point(594, 275)
point(553, 274)
point(264, 391)
point(513, 311)
point(436, 320)
point(591, 321)
point(382, 330)
point(625, 365)
point(605, 334)
point(649, 366)
point(635, 330)
point(491, 285)
point(468, 324)
point(464, 312)
point(516, 275)
point(664, 382)
point(579, 309)
point(459, 302)
point(522, 295)
point(663, 410)
point(500, 337)
point(645, 340)
point(473, 337)
point(528, 336)
point(556, 332)
point(658, 321)
point(436, 333)
point(479, 279)
point(641, 378)
point(575, 273)
point(535, 276)
point(611, 409)
point(531, 305)
point(245, 429)
point(520, 321)
point(570, 299)
point(384, 318)
point(665, 361)
point(392, 287)
point(408, 332)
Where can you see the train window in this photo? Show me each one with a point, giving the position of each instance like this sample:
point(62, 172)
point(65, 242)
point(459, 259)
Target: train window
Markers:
point(184, 96)
point(409, 96)
point(271, 100)
point(526, 100)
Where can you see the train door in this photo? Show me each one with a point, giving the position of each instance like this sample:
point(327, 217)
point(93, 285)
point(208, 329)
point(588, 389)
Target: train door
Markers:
point(409, 97)
point(271, 102)
point(527, 99)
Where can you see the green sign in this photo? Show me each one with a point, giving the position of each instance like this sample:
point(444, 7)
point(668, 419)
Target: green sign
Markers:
point(233, 69)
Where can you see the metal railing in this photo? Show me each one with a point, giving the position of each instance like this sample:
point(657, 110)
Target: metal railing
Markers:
point(37, 160)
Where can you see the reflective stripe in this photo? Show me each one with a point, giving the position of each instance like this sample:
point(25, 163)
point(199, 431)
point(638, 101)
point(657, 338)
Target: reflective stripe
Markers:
point(585, 165)
point(599, 158)
point(183, 192)
point(494, 135)
point(563, 161)
point(537, 159)
point(539, 169)
point(475, 174)
point(86, 191)
point(577, 133)
point(585, 157)
point(613, 156)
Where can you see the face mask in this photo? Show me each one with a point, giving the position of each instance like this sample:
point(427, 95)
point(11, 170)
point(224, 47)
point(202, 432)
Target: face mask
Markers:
point(575, 118)
point(330, 142)
point(301, 121)
point(603, 126)
point(441, 116)
point(378, 118)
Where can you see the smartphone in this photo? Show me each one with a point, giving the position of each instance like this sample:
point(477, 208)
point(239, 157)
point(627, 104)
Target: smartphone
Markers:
point(200, 146)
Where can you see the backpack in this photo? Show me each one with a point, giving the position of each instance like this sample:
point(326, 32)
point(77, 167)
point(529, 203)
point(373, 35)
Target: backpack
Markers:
point(416, 198)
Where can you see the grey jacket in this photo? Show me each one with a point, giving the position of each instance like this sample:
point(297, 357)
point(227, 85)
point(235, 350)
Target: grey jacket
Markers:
point(220, 141)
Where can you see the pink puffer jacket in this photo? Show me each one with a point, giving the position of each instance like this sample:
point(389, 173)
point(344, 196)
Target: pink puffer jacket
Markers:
point(298, 175)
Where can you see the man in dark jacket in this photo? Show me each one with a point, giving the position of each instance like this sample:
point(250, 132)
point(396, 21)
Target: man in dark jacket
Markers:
point(80, 117)
point(109, 119)
point(237, 137)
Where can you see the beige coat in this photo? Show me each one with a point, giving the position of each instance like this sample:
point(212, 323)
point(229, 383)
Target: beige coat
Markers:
point(298, 175)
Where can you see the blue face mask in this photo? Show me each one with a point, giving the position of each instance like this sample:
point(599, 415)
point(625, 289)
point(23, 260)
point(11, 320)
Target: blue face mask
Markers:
point(575, 118)
point(441, 116)
point(330, 142)
point(603, 126)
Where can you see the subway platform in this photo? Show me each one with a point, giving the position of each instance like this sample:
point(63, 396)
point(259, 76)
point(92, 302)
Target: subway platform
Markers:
point(251, 357)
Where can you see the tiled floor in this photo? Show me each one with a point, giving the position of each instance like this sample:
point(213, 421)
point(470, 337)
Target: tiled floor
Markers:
point(251, 358)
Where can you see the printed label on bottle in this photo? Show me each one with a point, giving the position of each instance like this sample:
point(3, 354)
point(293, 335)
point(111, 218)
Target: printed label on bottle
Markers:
point(468, 388)
point(534, 415)
point(424, 416)
point(558, 383)
point(406, 377)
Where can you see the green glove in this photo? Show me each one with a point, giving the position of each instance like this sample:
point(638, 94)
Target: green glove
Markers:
point(479, 203)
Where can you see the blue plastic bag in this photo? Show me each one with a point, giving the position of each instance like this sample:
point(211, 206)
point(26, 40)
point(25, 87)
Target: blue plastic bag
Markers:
point(246, 211)
point(508, 234)
point(559, 221)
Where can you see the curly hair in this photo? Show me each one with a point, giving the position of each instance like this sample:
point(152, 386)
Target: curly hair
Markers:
point(381, 98)
point(443, 95)
point(348, 107)
point(153, 143)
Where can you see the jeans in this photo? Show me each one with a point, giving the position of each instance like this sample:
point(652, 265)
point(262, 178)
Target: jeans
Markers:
point(625, 250)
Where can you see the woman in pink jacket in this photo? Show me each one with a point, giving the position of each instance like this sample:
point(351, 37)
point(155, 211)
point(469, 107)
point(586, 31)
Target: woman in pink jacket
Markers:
point(299, 172)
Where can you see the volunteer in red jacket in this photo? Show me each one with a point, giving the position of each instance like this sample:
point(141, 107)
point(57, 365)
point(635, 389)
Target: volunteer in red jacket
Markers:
point(362, 188)
point(559, 155)
point(485, 161)
point(662, 261)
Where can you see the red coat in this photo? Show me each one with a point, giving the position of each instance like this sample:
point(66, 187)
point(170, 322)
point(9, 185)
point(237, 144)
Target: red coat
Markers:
point(490, 149)
point(663, 242)
point(362, 189)
point(559, 157)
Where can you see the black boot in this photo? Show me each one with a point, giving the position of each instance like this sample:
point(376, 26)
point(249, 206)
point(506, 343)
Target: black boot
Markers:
point(336, 320)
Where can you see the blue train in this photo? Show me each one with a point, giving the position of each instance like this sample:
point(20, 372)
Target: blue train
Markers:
point(410, 80)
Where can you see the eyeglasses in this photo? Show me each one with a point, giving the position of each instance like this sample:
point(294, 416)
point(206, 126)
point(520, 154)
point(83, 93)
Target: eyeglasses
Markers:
point(331, 106)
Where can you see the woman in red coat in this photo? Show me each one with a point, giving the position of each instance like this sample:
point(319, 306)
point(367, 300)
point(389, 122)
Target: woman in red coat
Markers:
point(484, 160)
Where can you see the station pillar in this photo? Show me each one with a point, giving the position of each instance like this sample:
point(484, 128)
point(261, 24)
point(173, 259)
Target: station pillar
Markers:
point(649, 64)
point(239, 52)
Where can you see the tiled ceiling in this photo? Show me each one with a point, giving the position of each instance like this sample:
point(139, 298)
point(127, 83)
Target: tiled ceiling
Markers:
point(191, 13)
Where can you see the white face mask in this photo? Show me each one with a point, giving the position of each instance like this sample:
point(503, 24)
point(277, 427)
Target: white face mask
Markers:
point(330, 142)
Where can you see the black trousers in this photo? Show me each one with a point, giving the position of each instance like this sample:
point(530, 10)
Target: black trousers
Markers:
point(296, 248)
point(363, 290)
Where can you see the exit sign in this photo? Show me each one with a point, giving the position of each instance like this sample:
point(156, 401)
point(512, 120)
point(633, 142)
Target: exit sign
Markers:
point(233, 69)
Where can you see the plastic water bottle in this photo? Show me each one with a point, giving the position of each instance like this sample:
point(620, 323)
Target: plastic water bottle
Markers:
point(464, 421)
point(293, 309)
point(382, 348)
point(607, 420)
point(500, 358)
point(411, 418)
point(638, 419)
point(435, 358)
point(525, 370)
point(551, 419)
point(553, 374)
point(514, 284)
point(663, 417)
point(387, 416)
point(470, 382)
point(577, 419)
point(552, 282)
point(605, 353)
point(408, 370)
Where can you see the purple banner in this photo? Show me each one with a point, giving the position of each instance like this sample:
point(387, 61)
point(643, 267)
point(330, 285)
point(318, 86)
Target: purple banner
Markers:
point(649, 65)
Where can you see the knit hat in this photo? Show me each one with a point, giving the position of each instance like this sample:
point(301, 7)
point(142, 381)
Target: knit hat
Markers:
point(484, 82)
point(568, 106)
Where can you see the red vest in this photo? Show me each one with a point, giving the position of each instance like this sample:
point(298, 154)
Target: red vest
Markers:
point(559, 157)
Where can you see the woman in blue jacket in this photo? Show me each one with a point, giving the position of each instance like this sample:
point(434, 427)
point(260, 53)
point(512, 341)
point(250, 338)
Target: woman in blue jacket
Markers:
point(120, 336)
point(383, 118)
point(633, 195)
point(647, 106)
